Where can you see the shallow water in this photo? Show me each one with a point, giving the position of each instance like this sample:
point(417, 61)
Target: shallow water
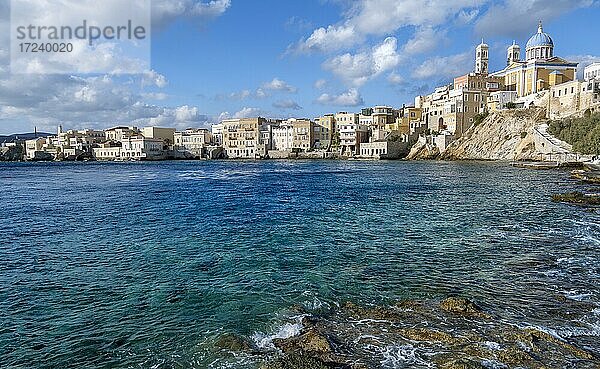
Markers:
point(135, 265)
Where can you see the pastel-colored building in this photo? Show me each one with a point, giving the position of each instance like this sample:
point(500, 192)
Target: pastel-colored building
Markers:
point(165, 134)
point(192, 141)
point(540, 70)
point(143, 148)
point(242, 138)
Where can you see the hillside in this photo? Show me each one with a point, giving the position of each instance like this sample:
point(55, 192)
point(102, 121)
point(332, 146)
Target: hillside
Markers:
point(22, 137)
point(583, 133)
point(506, 135)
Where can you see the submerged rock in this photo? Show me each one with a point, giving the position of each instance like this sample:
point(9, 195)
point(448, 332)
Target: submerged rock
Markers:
point(234, 343)
point(295, 361)
point(591, 176)
point(577, 198)
point(463, 364)
point(462, 306)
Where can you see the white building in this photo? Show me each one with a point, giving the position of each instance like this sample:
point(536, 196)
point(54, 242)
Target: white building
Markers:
point(382, 150)
point(283, 136)
point(351, 132)
point(142, 148)
point(107, 151)
point(165, 134)
point(192, 141)
point(217, 134)
point(499, 99)
point(592, 71)
point(120, 133)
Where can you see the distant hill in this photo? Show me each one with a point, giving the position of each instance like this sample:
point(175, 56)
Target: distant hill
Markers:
point(22, 137)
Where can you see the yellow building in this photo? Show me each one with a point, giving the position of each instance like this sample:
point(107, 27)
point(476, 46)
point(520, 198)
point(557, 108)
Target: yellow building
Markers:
point(324, 131)
point(407, 122)
point(540, 70)
point(241, 138)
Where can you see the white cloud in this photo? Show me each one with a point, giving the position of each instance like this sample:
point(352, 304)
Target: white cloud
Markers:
point(519, 18)
point(359, 68)
point(320, 84)
point(248, 113)
point(155, 96)
point(445, 67)
point(349, 98)
point(181, 117)
point(424, 40)
point(152, 78)
point(165, 11)
point(330, 38)
point(275, 85)
point(287, 105)
point(395, 79)
point(383, 17)
point(278, 85)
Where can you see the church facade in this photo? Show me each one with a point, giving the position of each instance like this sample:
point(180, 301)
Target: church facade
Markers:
point(540, 70)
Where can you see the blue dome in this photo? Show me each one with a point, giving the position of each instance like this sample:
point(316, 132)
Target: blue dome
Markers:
point(540, 39)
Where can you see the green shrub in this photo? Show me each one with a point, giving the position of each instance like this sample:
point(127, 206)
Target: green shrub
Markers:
point(479, 118)
point(511, 105)
point(582, 133)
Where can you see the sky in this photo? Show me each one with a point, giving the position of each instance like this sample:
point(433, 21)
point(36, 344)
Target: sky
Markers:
point(218, 59)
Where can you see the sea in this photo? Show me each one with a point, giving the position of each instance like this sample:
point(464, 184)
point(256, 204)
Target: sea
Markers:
point(146, 265)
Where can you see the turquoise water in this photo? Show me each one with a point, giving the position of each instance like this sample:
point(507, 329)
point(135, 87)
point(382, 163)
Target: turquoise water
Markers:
point(140, 265)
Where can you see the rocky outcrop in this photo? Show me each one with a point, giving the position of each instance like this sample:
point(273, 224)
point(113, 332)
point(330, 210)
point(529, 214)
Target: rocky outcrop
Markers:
point(455, 333)
point(505, 135)
point(423, 151)
point(13, 153)
point(577, 198)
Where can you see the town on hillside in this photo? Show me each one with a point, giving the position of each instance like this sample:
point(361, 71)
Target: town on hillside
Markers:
point(540, 80)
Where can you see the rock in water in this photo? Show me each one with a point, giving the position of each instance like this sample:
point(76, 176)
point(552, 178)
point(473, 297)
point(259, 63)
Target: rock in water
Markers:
point(461, 306)
point(234, 343)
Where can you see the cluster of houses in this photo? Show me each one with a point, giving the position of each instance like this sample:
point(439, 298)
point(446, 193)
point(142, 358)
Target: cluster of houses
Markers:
point(381, 132)
point(122, 143)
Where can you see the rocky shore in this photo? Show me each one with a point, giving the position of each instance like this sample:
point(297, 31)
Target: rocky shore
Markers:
point(451, 334)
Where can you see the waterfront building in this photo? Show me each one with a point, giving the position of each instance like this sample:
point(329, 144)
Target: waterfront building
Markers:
point(540, 70)
point(294, 135)
point(241, 138)
point(283, 136)
point(304, 134)
point(192, 142)
point(143, 148)
point(217, 134)
point(381, 117)
point(33, 148)
point(324, 131)
point(351, 133)
point(165, 134)
point(120, 133)
point(107, 151)
point(382, 150)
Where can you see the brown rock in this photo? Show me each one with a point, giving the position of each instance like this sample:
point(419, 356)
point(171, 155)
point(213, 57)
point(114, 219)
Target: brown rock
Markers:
point(463, 363)
point(461, 306)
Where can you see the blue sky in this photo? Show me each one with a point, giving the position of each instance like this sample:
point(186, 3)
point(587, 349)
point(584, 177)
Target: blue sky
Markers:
point(301, 58)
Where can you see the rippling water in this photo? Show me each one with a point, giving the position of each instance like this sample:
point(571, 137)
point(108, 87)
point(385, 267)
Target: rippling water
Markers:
point(141, 265)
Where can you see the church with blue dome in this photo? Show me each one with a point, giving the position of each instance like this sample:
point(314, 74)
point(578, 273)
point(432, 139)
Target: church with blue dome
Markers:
point(540, 70)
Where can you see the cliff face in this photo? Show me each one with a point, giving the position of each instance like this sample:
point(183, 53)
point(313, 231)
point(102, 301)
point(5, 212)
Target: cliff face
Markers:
point(506, 135)
point(423, 151)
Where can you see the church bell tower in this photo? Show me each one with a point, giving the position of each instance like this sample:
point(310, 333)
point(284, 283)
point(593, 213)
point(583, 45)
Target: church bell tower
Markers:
point(482, 58)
